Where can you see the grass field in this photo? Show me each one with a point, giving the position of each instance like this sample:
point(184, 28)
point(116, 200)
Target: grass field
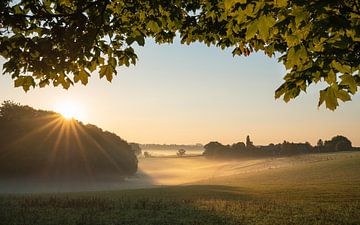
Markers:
point(311, 189)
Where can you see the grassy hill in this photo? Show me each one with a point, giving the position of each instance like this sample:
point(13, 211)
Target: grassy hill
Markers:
point(37, 143)
point(311, 189)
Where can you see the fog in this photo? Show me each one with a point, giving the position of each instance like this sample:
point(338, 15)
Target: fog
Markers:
point(157, 172)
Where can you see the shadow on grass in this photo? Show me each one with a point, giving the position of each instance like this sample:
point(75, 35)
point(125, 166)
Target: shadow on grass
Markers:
point(172, 205)
point(196, 204)
point(65, 184)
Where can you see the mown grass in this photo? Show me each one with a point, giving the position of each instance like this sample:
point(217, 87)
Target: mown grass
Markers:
point(316, 192)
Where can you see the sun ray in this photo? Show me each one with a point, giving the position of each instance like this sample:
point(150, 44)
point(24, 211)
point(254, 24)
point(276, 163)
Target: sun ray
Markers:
point(53, 153)
point(30, 134)
point(45, 139)
point(99, 147)
point(74, 127)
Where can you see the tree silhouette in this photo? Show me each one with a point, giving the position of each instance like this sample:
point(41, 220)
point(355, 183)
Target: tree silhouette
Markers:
point(249, 143)
point(35, 141)
point(181, 152)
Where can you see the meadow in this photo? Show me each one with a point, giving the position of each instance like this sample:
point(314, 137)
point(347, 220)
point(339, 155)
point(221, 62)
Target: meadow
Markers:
point(309, 189)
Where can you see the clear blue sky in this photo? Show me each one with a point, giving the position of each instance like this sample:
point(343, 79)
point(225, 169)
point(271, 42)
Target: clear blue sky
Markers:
point(196, 94)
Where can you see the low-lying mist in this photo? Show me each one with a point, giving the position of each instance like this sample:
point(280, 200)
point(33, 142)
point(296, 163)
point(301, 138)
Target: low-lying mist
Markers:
point(162, 171)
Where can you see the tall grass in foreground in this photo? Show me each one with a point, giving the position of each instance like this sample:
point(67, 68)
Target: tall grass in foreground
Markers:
point(176, 206)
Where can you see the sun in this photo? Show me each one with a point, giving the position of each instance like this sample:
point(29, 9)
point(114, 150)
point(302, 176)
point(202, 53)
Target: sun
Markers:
point(70, 110)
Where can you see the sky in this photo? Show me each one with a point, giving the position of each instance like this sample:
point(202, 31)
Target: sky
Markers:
point(187, 94)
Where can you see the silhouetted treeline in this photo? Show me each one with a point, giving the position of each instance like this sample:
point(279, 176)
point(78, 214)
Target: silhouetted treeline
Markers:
point(240, 149)
point(42, 143)
point(170, 147)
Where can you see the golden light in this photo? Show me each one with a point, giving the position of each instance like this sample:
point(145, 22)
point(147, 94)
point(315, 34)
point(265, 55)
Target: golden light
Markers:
point(70, 110)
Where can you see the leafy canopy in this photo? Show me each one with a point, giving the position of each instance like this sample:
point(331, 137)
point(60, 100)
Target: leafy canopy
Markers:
point(61, 42)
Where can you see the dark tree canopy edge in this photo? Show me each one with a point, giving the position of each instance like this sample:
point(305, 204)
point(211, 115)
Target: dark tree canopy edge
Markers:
point(61, 42)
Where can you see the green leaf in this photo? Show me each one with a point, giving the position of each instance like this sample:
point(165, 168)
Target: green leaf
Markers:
point(106, 70)
point(153, 26)
point(331, 77)
point(140, 40)
point(322, 97)
point(349, 81)
point(19, 82)
point(280, 91)
point(228, 4)
point(280, 3)
point(93, 65)
point(343, 95)
point(251, 30)
point(129, 40)
point(264, 24)
point(84, 76)
point(330, 98)
point(44, 83)
point(340, 67)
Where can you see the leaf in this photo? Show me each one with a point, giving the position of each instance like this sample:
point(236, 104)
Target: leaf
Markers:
point(322, 97)
point(330, 98)
point(84, 76)
point(349, 81)
point(106, 70)
point(153, 26)
point(44, 83)
point(331, 77)
point(129, 40)
point(228, 4)
point(251, 30)
point(280, 3)
point(101, 60)
point(93, 66)
point(290, 62)
point(263, 28)
point(300, 15)
point(140, 40)
point(280, 91)
point(19, 82)
point(66, 83)
point(264, 24)
point(340, 67)
point(343, 96)
point(112, 62)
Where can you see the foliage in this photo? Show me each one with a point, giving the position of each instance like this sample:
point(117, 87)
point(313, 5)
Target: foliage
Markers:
point(62, 42)
point(42, 143)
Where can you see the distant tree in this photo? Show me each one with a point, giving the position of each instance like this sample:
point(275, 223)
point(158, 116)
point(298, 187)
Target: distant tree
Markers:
point(338, 143)
point(181, 152)
point(214, 148)
point(320, 143)
point(147, 155)
point(240, 146)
